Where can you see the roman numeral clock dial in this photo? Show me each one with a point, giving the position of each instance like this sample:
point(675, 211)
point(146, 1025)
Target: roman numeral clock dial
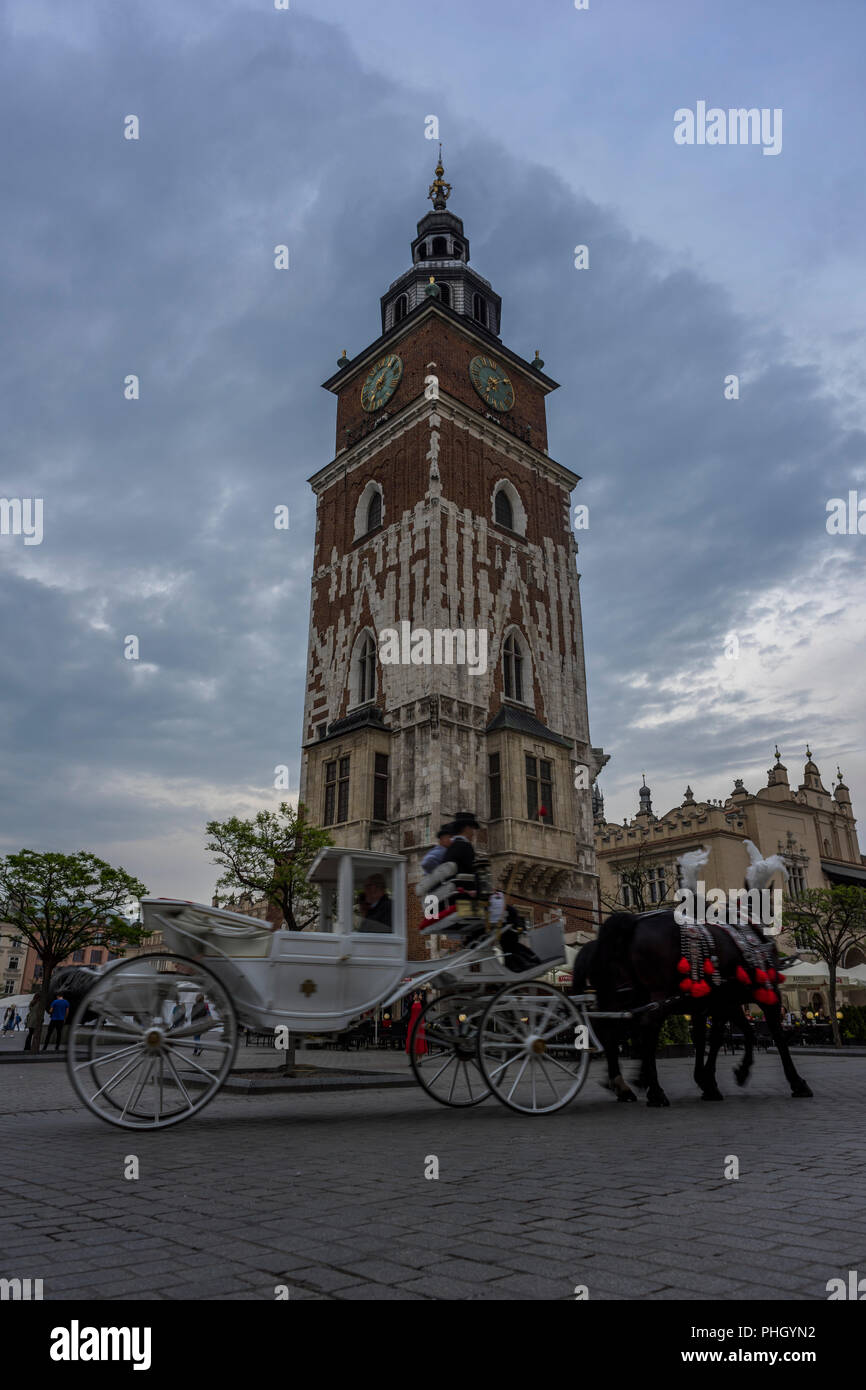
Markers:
point(381, 382)
point(492, 383)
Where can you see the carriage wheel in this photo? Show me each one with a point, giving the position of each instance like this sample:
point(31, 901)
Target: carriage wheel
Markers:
point(531, 1052)
point(130, 1063)
point(443, 1050)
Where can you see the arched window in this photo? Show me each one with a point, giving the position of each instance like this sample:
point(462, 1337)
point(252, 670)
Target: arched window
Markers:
point(479, 309)
point(401, 308)
point(512, 663)
point(507, 509)
point(440, 246)
point(503, 511)
point(365, 670)
point(369, 510)
point(445, 295)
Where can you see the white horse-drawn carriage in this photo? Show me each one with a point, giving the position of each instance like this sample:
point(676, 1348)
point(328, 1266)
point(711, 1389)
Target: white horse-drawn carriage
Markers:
point(155, 1036)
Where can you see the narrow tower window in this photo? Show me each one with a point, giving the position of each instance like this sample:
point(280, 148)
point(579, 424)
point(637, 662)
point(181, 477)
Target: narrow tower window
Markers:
point(440, 246)
point(366, 670)
point(374, 511)
point(380, 787)
point(494, 777)
point(445, 295)
point(503, 510)
point(401, 308)
point(479, 310)
point(513, 668)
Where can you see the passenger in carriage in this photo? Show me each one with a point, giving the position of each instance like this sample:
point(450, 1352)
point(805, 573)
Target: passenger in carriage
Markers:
point(374, 905)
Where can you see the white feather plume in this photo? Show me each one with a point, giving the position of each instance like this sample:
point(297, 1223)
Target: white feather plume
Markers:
point(689, 864)
point(761, 871)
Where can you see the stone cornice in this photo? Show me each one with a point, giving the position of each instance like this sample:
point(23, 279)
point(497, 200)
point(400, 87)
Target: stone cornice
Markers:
point(487, 342)
point(447, 408)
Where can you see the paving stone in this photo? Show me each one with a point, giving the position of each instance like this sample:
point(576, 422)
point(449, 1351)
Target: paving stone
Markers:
point(336, 1208)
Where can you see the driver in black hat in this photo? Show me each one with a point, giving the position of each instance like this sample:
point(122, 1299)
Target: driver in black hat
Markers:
point(461, 851)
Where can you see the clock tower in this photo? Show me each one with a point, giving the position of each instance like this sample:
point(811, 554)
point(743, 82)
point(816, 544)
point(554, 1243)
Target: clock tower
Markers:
point(445, 667)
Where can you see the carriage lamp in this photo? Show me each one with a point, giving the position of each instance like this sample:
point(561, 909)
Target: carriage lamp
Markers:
point(808, 1015)
point(839, 1014)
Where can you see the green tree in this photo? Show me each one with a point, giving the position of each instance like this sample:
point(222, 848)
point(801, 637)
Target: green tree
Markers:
point(271, 855)
point(62, 903)
point(829, 922)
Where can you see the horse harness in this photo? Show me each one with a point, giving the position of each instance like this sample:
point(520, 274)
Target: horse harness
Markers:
point(699, 963)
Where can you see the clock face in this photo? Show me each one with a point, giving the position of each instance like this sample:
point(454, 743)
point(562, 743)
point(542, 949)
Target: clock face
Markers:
point(491, 383)
point(382, 382)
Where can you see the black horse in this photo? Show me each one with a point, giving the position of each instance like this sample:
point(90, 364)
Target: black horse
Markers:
point(634, 965)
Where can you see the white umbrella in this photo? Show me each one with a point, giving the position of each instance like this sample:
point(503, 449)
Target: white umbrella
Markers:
point(819, 970)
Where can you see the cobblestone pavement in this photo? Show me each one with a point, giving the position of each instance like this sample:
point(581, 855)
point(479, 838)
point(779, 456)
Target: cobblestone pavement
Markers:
point(326, 1194)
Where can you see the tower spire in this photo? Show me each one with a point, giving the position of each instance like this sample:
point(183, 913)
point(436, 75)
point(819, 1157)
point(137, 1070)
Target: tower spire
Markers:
point(439, 191)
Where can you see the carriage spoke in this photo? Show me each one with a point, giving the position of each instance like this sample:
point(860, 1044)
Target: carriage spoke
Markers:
point(107, 1057)
point(177, 1077)
point(191, 1062)
point(130, 1102)
point(117, 1078)
point(518, 1078)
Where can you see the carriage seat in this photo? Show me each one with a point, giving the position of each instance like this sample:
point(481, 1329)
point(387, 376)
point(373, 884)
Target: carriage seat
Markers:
point(208, 930)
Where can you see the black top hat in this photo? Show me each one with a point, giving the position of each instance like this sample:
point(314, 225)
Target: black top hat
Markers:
point(465, 818)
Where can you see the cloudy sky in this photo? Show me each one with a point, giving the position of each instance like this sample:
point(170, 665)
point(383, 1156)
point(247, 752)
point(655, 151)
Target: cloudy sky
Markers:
point(306, 127)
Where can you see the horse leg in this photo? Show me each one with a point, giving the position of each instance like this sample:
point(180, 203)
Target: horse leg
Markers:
point(616, 1082)
point(799, 1087)
point(707, 1083)
point(741, 1073)
point(655, 1096)
point(699, 1034)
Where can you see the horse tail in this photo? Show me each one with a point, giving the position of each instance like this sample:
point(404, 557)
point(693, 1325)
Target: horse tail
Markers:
point(582, 970)
point(612, 946)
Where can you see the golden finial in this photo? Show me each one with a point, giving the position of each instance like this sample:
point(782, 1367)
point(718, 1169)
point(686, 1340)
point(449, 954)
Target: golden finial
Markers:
point(439, 191)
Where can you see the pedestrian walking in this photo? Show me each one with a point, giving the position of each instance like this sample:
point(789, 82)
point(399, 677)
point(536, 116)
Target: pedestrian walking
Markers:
point(58, 1012)
point(7, 1019)
point(199, 1010)
point(17, 1021)
point(34, 1020)
point(416, 1038)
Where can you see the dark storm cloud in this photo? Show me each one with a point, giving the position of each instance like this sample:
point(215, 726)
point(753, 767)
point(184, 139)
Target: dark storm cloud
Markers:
point(155, 257)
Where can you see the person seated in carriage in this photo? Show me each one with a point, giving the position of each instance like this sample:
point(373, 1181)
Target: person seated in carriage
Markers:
point(374, 905)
